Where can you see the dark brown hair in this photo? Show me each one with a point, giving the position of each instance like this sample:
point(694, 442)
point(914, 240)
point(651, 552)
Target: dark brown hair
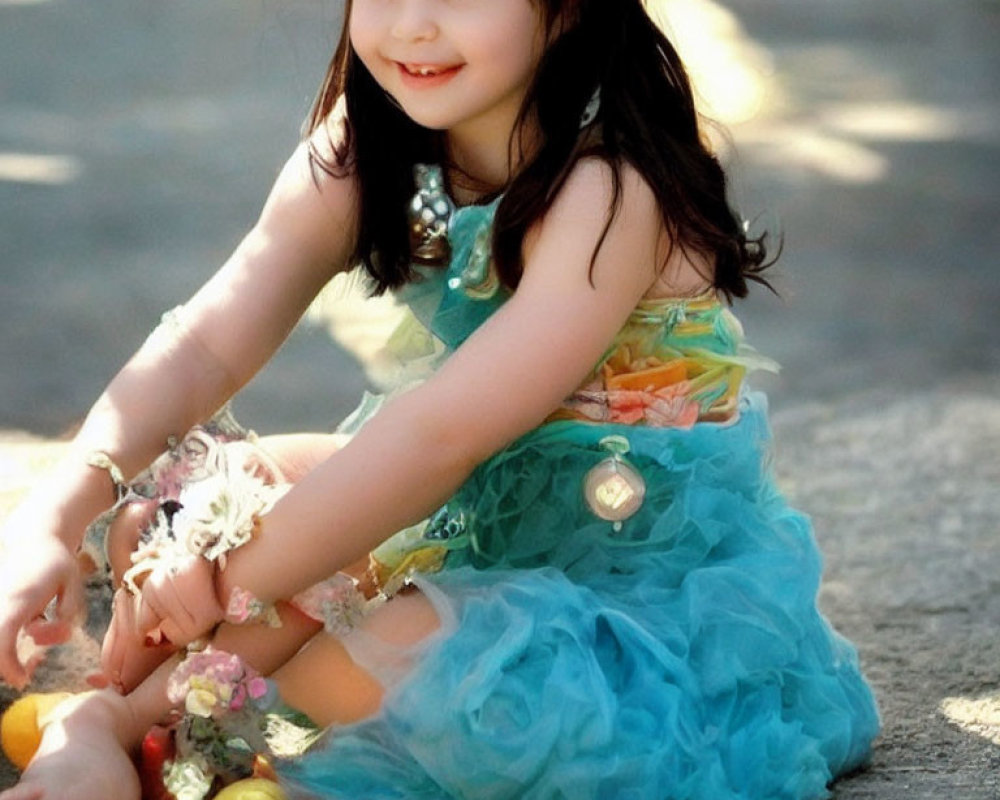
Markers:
point(647, 118)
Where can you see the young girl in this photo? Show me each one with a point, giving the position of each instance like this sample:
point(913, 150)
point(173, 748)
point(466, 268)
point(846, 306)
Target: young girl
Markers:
point(560, 567)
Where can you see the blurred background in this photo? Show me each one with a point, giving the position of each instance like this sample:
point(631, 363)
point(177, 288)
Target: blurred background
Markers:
point(138, 140)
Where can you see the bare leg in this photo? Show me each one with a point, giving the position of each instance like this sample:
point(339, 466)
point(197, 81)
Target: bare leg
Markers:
point(86, 749)
point(85, 753)
point(305, 683)
point(125, 663)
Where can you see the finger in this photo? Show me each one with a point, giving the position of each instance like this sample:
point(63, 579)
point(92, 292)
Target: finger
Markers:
point(48, 632)
point(14, 615)
point(34, 658)
point(173, 634)
point(97, 680)
point(69, 605)
point(158, 625)
point(23, 792)
point(177, 622)
point(11, 669)
point(129, 661)
point(114, 638)
point(204, 601)
point(178, 610)
point(140, 661)
point(125, 659)
point(147, 612)
point(195, 589)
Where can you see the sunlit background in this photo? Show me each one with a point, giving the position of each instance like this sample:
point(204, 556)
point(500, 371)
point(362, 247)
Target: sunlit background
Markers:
point(138, 139)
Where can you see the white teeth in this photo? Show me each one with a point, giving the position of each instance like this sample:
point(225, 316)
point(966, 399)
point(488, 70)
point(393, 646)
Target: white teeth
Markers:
point(423, 72)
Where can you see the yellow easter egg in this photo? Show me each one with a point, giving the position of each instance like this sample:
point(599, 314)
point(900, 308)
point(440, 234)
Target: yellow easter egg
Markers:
point(20, 730)
point(252, 789)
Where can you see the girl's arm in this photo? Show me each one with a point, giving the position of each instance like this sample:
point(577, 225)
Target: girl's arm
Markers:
point(501, 383)
point(233, 324)
point(179, 377)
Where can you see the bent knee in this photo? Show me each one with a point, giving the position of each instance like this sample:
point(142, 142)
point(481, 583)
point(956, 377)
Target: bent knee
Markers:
point(408, 618)
point(334, 682)
point(325, 683)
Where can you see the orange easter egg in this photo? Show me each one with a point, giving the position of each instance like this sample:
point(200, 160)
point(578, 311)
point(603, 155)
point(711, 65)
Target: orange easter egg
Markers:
point(252, 789)
point(20, 729)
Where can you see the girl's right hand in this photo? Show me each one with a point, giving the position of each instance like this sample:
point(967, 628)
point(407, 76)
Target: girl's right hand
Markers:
point(35, 568)
point(178, 601)
point(126, 658)
point(176, 605)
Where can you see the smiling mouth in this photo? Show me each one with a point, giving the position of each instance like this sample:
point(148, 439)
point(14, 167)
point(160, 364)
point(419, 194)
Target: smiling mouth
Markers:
point(427, 72)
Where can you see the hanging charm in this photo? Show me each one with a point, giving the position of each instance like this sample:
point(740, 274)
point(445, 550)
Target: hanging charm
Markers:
point(429, 214)
point(479, 279)
point(614, 489)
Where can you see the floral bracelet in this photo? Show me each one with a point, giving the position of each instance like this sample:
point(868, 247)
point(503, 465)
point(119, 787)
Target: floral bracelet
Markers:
point(213, 683)
point(101, 460)
point(244, 607)
point(211, 489)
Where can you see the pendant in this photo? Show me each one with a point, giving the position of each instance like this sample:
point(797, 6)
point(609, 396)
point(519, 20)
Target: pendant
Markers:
point(614, 489)
point(479, 280)
point(429, 214)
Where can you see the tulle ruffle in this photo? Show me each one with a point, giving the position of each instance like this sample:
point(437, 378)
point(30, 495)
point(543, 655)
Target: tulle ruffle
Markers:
point(681, 656)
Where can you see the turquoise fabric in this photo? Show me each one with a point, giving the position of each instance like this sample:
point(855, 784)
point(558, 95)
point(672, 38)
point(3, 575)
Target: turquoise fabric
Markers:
point(681, 656)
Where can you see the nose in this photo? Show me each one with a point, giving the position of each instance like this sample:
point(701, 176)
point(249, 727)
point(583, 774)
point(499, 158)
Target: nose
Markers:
point(414, 22)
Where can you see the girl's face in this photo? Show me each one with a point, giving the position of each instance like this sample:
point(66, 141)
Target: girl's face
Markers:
point(458, 65)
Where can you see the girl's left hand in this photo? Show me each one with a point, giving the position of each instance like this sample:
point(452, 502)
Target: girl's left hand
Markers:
point(178, 601)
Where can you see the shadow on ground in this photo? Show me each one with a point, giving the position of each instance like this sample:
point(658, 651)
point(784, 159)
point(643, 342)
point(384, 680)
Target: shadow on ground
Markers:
point(131, 163)
point(902, 495)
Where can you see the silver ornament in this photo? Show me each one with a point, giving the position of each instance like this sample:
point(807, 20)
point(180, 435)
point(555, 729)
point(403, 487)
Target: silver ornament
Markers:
point(429, 214)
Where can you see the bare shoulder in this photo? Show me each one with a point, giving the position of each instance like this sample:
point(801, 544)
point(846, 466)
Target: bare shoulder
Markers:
point(637, 239)
point(590, 189)
point(603, 218)
point(585, 269)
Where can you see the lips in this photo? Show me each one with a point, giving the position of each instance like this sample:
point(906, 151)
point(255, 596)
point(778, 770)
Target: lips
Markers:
point(426, 75)
point(423, 70)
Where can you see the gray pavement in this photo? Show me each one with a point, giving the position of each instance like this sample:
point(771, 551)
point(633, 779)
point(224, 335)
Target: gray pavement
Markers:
point(876, 149)
point(902, 491)
point(150, 133)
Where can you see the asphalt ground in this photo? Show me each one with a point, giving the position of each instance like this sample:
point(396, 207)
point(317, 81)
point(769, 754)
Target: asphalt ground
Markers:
point(137, 141)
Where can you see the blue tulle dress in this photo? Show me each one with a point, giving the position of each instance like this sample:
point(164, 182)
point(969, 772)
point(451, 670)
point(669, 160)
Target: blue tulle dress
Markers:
point(673, 653)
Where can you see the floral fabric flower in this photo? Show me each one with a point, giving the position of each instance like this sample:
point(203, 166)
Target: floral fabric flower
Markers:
point(338, 602)
point(244, 606)
point(211, 683)
point(212, 492)
point(678, 361)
